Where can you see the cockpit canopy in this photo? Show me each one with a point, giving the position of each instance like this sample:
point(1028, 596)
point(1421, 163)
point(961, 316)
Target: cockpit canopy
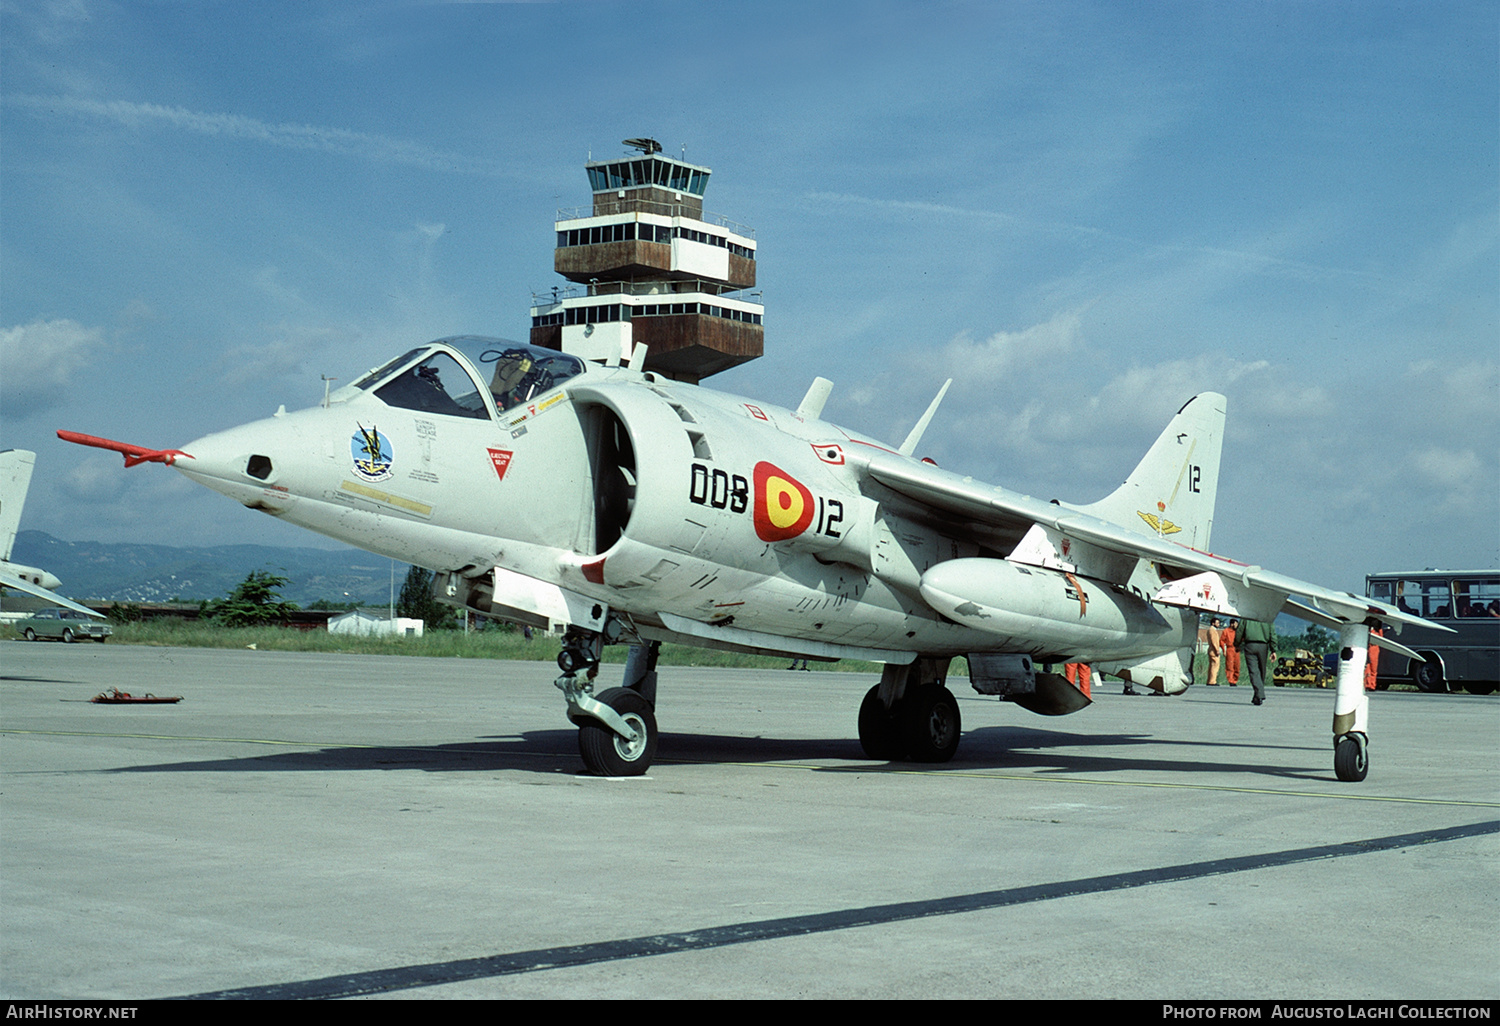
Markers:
point(444, 377)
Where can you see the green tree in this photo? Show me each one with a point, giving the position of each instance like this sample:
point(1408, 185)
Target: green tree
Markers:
point(417, 602)
point(1315, 639)
point(254, 602)
point(125, 612)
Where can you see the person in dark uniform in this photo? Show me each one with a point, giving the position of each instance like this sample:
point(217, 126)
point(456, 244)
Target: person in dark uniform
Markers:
point(1256, 641)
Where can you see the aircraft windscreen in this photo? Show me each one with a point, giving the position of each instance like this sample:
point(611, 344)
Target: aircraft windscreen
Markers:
point(371, 377)
point(436, 385)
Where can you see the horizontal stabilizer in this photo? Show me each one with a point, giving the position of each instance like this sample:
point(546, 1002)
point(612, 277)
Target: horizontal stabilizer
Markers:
point(16, 581)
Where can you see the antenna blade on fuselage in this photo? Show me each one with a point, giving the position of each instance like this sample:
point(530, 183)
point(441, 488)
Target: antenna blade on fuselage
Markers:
point(811, 407)
point(914, 439)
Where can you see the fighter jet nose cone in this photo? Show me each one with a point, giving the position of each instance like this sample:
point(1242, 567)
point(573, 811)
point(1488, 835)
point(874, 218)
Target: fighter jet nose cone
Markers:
point(207, 457)
point(240, 458)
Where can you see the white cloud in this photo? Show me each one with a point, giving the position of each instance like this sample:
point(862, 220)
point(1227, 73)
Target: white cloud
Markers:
point(38, 362)
point(1447, 468)
point(1467, 394)
point(983, 364)
point(97, 480)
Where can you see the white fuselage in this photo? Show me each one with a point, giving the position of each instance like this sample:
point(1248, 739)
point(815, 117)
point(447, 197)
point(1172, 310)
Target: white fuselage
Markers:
point(675, 505)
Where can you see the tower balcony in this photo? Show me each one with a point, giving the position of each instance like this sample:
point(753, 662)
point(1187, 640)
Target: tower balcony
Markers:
point(690, 328)
point(641, 245)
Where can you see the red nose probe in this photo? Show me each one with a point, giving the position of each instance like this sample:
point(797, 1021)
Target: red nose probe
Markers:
point(133, 453)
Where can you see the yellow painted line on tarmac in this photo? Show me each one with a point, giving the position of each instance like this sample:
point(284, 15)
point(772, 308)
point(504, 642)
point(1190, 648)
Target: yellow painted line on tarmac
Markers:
point(1238, 790)
point(980, 775)
point(874, 767)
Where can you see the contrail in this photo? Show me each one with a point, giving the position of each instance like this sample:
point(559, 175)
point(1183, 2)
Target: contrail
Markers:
point(340, 141)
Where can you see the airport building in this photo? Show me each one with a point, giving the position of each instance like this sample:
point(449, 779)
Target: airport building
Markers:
point(649, 267)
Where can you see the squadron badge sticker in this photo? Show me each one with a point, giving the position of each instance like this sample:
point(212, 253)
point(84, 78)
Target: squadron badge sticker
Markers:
point(1161, 525)
point(372, 454)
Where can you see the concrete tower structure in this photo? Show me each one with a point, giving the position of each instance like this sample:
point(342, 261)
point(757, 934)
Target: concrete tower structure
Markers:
point(650, 268)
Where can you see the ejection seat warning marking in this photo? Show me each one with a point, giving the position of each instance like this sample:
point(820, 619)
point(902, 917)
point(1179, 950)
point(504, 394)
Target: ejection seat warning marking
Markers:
point(500, 458)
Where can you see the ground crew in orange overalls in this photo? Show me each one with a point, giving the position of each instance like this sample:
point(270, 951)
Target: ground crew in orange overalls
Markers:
point(1078, 675)
point(1372, 658)
point(1231, 655)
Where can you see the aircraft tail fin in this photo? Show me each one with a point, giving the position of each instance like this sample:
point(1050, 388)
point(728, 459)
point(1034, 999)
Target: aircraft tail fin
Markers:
point(1171, 492)
point(15, 481)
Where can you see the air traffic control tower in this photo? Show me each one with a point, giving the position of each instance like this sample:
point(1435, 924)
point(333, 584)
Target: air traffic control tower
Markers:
point(650, 268)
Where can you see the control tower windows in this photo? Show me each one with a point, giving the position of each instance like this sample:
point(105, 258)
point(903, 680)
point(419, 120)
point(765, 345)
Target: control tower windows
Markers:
point(661, 172)
point(632, 231)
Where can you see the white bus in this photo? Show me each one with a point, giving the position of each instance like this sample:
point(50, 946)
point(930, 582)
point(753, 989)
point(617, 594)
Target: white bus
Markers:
point(1468, 602)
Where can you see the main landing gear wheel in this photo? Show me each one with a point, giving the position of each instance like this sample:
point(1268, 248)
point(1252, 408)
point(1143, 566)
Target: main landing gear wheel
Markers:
point(606, 753)
point(879, 734)
point(1351, 760)
point(931, 722)
point(924, 725)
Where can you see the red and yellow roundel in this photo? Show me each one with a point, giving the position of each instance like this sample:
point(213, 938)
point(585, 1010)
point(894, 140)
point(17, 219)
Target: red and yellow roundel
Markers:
point(783, 505)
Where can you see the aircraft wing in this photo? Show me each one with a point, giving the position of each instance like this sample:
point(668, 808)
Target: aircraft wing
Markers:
point(19, 583)
point(1250, 590)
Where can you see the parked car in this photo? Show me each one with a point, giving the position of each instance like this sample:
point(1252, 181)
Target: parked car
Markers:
point(67, 624)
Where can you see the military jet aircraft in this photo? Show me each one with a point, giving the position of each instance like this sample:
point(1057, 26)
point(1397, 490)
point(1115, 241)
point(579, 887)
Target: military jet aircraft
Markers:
point(16, 466)
point(616, 506)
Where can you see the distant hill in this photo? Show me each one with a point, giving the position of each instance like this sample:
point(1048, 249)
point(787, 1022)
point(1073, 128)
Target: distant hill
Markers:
point(128, 572)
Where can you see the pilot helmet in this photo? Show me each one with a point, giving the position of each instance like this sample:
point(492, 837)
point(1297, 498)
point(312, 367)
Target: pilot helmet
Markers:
point(511, 367)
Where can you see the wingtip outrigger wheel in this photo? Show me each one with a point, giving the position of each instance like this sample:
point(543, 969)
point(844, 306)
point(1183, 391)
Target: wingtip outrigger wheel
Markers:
point(1351, 705)
point(1351, 761)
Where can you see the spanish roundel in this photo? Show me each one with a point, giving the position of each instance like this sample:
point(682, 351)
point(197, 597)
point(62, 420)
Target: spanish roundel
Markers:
point(783, 505)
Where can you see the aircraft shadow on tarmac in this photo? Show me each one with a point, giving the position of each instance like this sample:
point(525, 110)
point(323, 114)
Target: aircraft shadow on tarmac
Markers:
point(1018, 749)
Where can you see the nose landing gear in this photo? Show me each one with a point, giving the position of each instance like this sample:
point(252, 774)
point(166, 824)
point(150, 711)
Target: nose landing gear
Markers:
point(617, 731)
point(607, 750)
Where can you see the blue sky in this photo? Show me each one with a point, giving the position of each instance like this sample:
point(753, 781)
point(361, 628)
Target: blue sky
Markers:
point(1083, 212)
